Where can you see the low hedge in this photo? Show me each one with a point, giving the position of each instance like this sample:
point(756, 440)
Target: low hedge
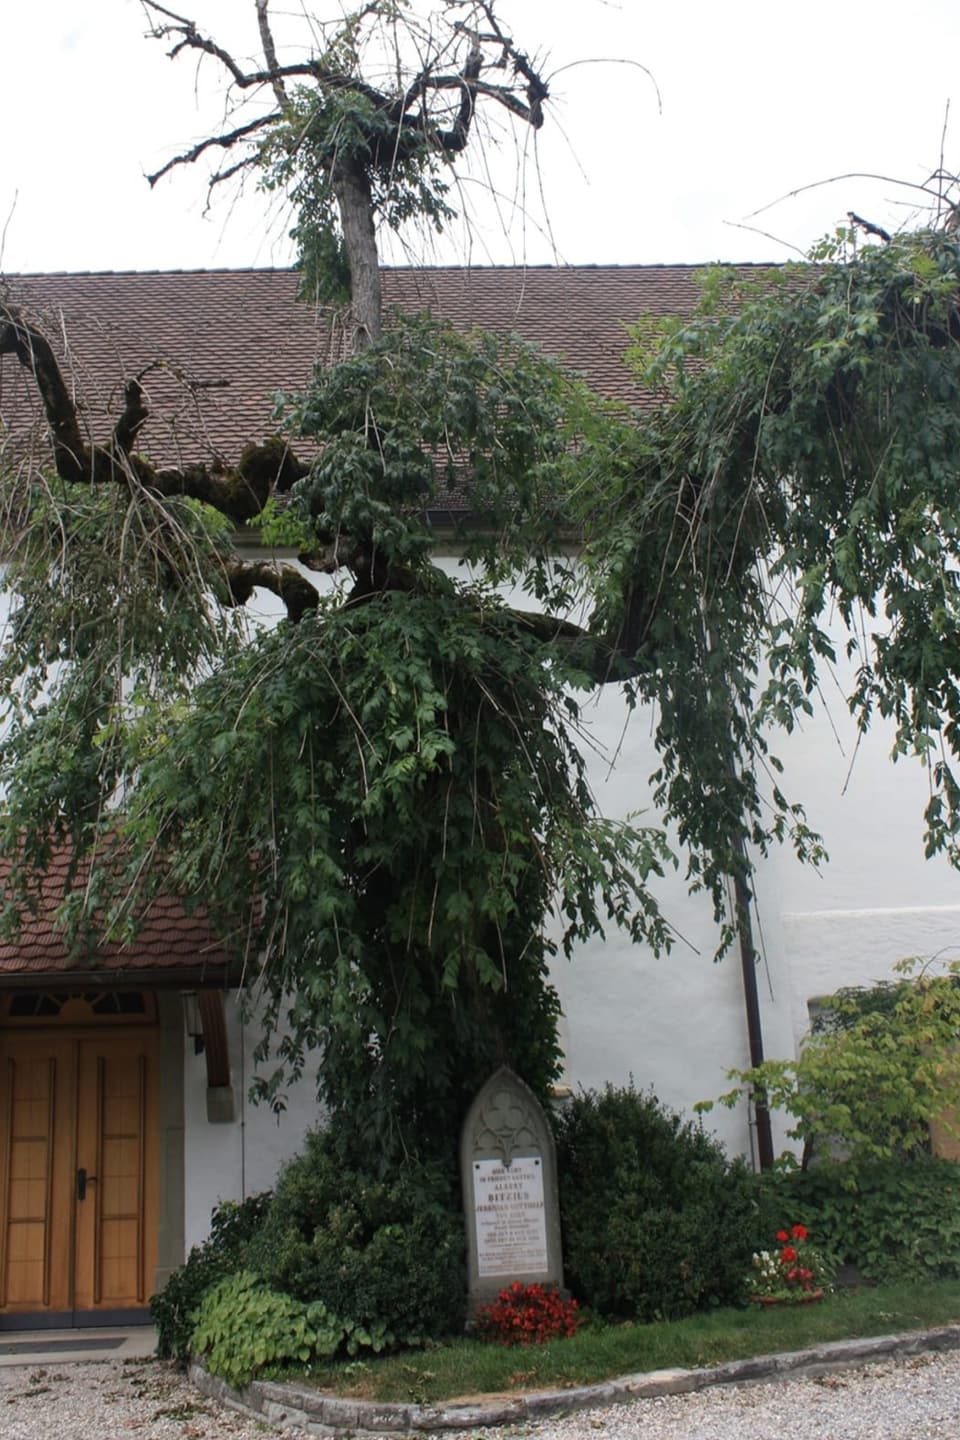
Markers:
point(657, 1221)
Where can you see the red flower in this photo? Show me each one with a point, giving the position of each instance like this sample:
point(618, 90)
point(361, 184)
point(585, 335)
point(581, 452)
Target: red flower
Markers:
point(528, 1314)
point(799, 1232)
point(782, 1235)
point(787, 1254)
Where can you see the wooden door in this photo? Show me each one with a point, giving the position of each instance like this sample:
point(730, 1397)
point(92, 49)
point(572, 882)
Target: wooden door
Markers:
point(78, 1172)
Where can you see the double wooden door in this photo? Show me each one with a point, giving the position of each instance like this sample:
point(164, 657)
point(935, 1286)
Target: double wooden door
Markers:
point(78, 1172)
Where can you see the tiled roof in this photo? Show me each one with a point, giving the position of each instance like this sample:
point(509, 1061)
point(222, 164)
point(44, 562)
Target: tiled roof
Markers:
point(223, 342)
point(168, 938)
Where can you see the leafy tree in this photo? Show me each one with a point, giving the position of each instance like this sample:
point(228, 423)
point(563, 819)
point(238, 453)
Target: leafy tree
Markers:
point(420, 805)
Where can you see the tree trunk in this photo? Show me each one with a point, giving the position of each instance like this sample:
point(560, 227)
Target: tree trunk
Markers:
point(351, 186)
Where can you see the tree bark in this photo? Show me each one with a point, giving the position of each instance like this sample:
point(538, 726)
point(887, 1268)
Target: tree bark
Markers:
point(35, 354)
point(351, 187)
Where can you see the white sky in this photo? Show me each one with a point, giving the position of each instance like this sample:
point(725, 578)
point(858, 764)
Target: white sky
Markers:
point(758, 98)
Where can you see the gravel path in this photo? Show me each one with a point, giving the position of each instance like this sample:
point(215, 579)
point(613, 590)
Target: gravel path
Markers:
point(916, 1398)
point(138, 1398)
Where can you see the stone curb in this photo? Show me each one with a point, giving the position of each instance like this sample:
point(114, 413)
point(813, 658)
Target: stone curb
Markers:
point(330, 1415)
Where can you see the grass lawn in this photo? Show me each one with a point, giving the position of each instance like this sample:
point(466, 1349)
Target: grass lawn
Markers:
point(601, 1352)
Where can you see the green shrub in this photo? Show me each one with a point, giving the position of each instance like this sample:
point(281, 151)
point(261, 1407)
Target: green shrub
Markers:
point(880, 1066)
point(657, 1222)
point(232, 1226)
point(242, 1329)
point(381, 1252)
point(895, 1220)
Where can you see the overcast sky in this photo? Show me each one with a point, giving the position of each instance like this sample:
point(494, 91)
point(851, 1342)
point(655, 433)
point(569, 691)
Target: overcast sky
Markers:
point(758, 98)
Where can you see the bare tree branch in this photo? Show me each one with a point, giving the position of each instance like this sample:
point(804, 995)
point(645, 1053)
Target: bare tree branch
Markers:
point(537, 90)
point(191, 38)
point(469, 81)
point(868, 226)
point(224, 141)
point(133, 419)
point(270, 51)
point(240, 492)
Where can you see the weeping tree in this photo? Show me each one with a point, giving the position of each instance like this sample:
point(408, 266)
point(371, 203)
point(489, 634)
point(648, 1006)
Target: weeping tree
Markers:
point(381, 802)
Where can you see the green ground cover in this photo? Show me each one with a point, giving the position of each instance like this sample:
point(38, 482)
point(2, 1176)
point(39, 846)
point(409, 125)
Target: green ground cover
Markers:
point(602, 1351)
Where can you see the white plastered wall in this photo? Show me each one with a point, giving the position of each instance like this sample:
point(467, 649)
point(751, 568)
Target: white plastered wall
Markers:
point(234, 1159)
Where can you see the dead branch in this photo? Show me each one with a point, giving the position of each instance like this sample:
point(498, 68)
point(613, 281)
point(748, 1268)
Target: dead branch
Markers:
point(410, 127)
point(133, 419)
point(35, 354)
point(868, 227)
point(270, 52)
point(192, 39)
point(224, 142)
point(537, 90)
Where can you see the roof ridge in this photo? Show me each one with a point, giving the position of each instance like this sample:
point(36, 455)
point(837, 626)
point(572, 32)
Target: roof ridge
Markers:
point(589, 266)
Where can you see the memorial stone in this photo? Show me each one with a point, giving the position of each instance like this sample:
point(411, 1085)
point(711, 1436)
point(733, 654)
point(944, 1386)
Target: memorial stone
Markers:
point(509, 1172)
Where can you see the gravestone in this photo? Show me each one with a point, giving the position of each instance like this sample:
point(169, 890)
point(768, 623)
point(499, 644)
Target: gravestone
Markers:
point(509, 1172)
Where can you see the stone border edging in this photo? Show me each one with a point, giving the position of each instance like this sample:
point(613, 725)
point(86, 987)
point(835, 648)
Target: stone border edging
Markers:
point(332, 1415)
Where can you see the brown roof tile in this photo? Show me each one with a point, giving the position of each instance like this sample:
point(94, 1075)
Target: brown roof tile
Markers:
point(225, 341)
point(168, 938)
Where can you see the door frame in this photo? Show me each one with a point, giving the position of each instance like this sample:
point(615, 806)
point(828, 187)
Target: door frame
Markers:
point(166, 1019)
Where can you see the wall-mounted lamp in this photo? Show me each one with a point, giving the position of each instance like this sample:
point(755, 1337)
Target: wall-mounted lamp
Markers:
point(193, 1020)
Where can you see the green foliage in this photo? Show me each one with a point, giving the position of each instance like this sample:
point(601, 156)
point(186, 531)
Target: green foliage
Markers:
point(243, 1329)
point(893, 1220)
point(386, 1254)
point(419, 807)
point(426, 804)
point(232, 1227)
point(879, 1067)
point(406, 422)
point(107, 622)
point(799, 473)
point(323, 131)
point(423, 806)
point(657, 1223)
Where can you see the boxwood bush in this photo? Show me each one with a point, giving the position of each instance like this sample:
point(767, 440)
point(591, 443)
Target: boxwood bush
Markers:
point(381, 1252)
point(657, 1221)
